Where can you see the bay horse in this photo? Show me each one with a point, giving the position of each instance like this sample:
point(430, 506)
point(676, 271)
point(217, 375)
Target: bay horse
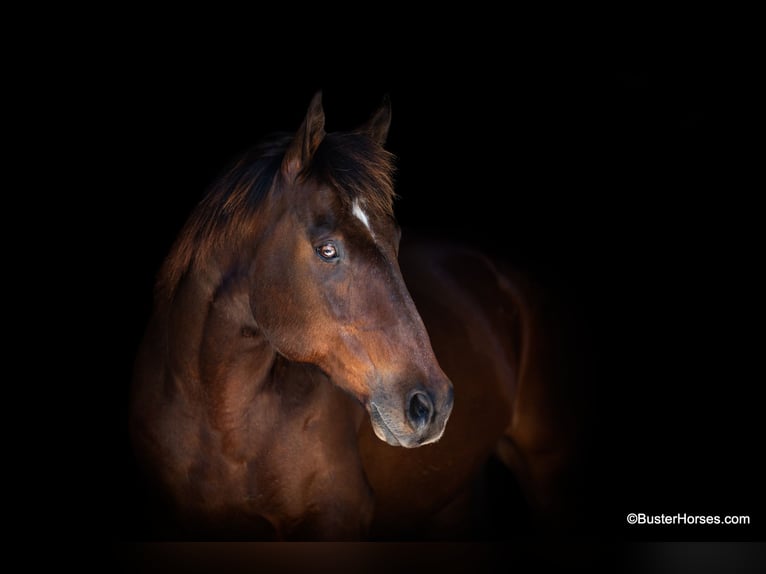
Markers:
point(292, 385)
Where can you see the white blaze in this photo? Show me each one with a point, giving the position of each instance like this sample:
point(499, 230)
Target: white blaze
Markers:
point(356, 209)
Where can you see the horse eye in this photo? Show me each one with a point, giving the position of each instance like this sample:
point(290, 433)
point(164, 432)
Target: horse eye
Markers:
point(328, 251)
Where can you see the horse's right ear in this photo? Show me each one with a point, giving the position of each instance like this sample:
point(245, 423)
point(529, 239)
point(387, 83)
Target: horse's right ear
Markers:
point(307, 138)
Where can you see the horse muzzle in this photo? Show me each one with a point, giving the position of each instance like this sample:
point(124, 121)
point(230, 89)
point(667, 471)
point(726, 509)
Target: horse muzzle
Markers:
point(417, 421)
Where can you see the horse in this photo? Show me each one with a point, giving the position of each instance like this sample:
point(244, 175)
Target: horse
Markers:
point(308, 374)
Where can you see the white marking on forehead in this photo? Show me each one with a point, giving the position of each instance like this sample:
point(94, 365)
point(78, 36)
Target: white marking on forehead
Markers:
point(356, 209)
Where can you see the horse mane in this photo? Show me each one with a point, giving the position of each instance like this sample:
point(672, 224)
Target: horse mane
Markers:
point(351, 163)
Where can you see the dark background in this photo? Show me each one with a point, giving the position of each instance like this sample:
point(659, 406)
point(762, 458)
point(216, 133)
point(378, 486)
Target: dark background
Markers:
point(618, 178)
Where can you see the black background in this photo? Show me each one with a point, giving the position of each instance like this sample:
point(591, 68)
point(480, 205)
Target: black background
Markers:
point(616, 175)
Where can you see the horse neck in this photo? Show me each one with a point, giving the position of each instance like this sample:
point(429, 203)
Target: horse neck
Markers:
point(215, 350)
point(226, 366)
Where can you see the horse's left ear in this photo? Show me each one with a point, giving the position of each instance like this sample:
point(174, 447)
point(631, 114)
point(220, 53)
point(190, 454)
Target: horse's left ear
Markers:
point(377, 126)
point(307, 138)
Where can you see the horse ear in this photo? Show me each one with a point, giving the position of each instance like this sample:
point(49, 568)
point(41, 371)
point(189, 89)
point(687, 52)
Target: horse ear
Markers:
point(307, 138)
point(377, 126)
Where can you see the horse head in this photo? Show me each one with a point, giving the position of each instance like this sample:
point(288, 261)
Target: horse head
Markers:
point(325, 284)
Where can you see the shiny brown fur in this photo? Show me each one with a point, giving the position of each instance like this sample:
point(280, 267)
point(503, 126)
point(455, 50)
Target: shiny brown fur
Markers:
point(289, 387)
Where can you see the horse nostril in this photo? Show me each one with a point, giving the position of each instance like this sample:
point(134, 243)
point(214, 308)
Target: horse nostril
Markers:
point(419, 410)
